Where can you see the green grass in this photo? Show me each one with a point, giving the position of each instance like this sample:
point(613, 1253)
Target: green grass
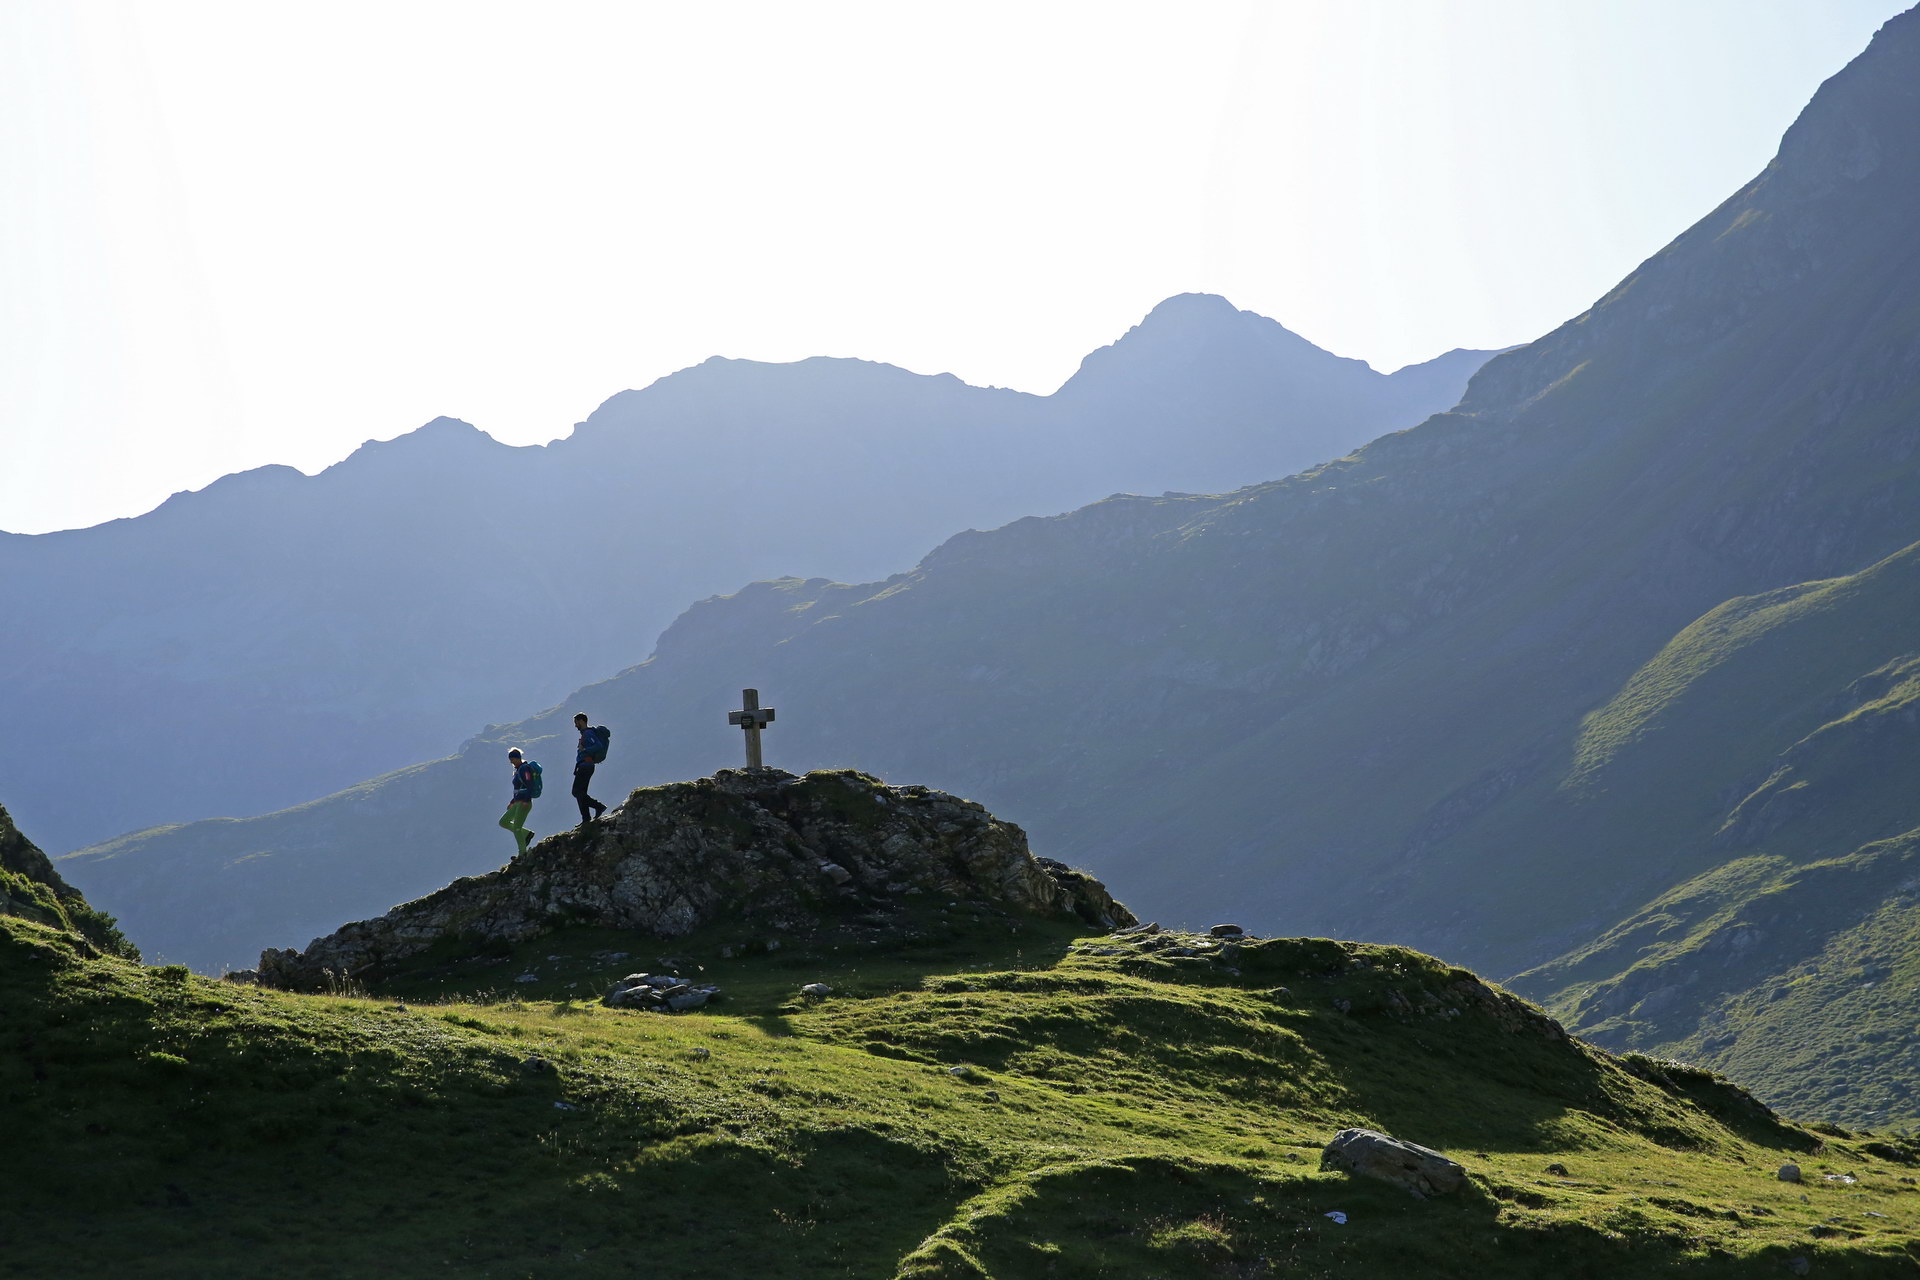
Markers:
point(1129, 1115)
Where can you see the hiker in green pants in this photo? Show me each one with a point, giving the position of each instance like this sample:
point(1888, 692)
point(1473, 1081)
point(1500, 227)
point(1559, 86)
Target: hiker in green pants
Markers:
point(526, 787)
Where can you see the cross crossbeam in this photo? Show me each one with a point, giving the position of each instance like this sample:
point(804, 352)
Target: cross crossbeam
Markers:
point(751, 717)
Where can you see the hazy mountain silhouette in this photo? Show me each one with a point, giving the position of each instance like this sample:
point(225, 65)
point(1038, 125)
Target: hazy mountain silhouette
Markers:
point(274, 636)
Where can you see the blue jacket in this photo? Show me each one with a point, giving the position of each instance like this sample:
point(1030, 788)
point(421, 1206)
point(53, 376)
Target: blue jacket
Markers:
point(590, 746)
point(523, 782)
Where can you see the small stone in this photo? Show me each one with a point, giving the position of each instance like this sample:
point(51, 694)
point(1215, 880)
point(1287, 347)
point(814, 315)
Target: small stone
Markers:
point(835, 872)
point(537, 1065)
point(1558, 1171)
point(1278, 993)
point(1799, 1265)
point(818, 990)
point(396, 1008)
point(1789, 1173)
point(993, 1095)
point(528, 977)
point(703, 1053)
point(1226, 931)
point(963, 1071)
point(685, 1000)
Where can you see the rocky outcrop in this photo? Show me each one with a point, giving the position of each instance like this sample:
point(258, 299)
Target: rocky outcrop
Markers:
point(32, 889)
point(1366, 1154)
point(761, 850)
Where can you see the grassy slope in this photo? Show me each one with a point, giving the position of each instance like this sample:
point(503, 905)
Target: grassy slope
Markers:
point(1768, 751)
point(1125, 1115)
point(31, 889)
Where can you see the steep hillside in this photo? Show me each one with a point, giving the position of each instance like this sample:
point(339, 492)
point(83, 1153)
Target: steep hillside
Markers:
point(30, 889)
point(275, 637)
point(1769, 753)
point(991, 1092)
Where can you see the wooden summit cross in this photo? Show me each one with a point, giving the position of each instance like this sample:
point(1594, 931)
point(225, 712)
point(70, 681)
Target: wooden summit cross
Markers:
point(753, 718)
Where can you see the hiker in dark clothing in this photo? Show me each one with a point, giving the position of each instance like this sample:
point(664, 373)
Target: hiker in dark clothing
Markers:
point(526, 786)
point(592, 751)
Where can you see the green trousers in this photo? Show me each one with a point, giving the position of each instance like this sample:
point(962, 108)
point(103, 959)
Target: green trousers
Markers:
point(515, 820)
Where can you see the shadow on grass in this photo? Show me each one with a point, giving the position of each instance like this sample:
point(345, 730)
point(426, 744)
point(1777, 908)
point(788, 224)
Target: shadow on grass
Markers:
point(168, 1127)
point(757, 981)
point(1160, 1216)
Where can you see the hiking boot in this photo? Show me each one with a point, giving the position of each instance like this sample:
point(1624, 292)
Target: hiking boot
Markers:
point(599, 811)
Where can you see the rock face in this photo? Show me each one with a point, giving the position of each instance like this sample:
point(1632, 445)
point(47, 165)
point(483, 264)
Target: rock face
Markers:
point(761, 849)
point(1367, 1154)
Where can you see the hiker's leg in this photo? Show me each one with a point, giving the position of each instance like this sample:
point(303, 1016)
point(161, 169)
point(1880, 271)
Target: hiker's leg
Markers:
point(515, 820)
point(582, 775)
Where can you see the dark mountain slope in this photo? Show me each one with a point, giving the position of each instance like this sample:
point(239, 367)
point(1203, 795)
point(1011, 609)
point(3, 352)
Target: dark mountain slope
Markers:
point(275, 636)
point(1768, 755)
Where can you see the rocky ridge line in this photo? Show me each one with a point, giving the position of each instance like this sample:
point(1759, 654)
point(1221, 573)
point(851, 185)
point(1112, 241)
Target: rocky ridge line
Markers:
point(762, 850)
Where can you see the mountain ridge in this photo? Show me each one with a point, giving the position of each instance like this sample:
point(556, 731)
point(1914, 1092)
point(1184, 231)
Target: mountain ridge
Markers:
point(356, 620)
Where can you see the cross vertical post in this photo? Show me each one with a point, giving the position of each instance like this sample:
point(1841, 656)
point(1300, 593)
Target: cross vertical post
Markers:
point(751, 717)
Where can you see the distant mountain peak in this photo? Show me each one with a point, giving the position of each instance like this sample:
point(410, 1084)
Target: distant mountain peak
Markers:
point(442, 429)
point(1207, 313)
point(1195, 332)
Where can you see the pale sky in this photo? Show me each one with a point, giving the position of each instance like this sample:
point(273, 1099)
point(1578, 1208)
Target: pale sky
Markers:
point(236, 233)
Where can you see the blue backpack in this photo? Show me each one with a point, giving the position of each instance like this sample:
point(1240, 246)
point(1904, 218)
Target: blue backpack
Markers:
point(532, 770)
point(598, 739)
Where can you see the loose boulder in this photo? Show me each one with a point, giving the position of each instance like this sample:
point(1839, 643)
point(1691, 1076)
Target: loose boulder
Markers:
point(1366, 1154)
point(658, 993)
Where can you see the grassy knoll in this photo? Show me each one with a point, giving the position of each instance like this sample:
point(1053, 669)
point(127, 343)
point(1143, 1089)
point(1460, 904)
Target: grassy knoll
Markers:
point(1131, 1114)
